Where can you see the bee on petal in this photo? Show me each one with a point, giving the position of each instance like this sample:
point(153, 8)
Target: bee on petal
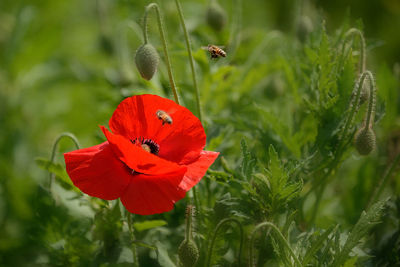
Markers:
point(215, 51)
point(163, 116)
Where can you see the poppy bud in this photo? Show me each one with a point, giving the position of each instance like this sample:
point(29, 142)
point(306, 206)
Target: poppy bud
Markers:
point(216, 16)
point(304, 28)
point(147, 61)
point(364, 141)
point(188, 253)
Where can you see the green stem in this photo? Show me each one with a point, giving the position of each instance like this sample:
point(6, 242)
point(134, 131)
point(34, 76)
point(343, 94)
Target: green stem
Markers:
point(191, 60)
point(280, 237)
point(354, 104)
point(164, 42)
point(189, 219)
point(362, 62)
point(371, 103)
point(134, 250)
point(196, 200)
point(53, 152)
point(219, 225)
point(378, 191)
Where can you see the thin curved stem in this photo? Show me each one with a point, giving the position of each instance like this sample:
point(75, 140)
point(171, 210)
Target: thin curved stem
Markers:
point(378, 191)
point(219, 225)
point(363, 58)
point(54, 150)
point(191, 60)
point(372, 99)
point(280, 237)
point(164, 42)
point(354, 104)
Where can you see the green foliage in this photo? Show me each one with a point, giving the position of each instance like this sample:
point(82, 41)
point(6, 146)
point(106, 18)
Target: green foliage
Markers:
point(275, 108)
point(367, 220)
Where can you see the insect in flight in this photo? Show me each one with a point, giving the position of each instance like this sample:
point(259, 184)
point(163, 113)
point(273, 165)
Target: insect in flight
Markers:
point(163, 116)
point(215, 51)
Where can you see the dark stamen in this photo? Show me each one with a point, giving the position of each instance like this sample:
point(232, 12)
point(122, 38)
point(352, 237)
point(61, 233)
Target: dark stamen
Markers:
point(147, 144)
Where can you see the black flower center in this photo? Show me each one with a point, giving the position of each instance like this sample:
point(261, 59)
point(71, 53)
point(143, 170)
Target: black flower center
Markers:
point(147, 144)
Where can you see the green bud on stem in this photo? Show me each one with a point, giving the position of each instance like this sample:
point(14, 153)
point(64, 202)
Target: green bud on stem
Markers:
point(147, 60)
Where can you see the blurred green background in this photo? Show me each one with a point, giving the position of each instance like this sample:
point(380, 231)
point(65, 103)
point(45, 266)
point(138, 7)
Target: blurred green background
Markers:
point(65, 65)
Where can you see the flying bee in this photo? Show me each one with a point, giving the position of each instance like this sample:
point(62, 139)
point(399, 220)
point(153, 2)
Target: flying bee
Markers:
point(215, 51)
point(163, 116)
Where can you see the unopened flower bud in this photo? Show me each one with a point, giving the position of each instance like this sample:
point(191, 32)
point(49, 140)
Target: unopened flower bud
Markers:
point(216, 16)
point(147, 61)
point(188, 253)
point(365, 140)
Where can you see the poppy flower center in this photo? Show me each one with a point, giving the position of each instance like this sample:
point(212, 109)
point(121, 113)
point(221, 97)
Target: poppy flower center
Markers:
point(147, 144)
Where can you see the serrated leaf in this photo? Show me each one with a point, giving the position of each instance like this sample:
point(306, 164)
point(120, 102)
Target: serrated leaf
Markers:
point(281, 130)
point(146, 225)
point(316, 246)
point(248, 163)
point(365, 223)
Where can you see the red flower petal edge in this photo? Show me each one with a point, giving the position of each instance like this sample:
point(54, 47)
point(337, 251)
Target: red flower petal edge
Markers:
point(145, 162)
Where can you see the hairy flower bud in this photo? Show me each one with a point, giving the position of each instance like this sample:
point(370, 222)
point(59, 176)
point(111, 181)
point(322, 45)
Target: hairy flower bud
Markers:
point(365, 141)
point(147, 61)
point(216, 16)
point(304, 28)
point(188, 253)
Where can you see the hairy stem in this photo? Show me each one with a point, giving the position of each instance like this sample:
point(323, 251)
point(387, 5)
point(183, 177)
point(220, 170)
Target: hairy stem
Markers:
point(281, 239)
point(214, 236)
point(191, 60)
point(363, 58)
point(189, 220)
point(164, 42)
point(53, 152)
point(354, 106)
point(372, 98)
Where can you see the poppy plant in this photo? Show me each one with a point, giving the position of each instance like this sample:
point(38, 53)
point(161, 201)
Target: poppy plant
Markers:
point(153, 155)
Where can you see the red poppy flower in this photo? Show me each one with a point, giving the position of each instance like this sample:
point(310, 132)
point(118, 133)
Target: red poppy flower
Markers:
point(152, 157)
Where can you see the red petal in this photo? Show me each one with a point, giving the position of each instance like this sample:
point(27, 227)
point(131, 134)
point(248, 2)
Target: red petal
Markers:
point(197, 169)
point(148, 194)
point(137, 158)
point(97, 172)
point(136, 117)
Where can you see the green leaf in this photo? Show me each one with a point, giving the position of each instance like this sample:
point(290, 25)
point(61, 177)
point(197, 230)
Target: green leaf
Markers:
point(58, 170)
point(282, 130)
point(316, 246)
point(146, 225)
point(248, 163)
point(367, 220)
